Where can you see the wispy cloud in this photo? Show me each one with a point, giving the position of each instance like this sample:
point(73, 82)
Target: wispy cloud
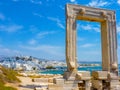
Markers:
point(48, 49)
point(58, 21)
point(98, 3)
point(36, 2)
point(15, 0)
point(89, 27)
point(118, 28)
point(2, 17)
point(87, 45)
point(32, 42)
point(11, 28)
point(7, 51)
point(36, 14)
point(61, 25)
point(43, 34)
point(54, 19)
point(86, 27)
point(33, 29)
point(118, 2)
point(73, 1)
point(80, 39)
point(62, 7)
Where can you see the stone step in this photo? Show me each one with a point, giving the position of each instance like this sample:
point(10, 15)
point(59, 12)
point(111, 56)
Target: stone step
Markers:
point(40, 88)
point(73, 81)
point(43, 80)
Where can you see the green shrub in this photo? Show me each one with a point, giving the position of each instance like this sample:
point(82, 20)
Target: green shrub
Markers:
point(50, 67)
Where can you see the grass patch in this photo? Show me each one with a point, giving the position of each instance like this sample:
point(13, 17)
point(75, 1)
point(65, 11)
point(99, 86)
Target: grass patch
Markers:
point(7, 76)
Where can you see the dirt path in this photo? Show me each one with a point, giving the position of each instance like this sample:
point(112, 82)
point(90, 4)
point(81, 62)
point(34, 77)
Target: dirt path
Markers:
point(26, 83)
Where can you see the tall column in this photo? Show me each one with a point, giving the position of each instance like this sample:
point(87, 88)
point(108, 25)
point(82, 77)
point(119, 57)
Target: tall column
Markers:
point(114, 65)
point(67, 42)
point(74, 52)
point(71, 44)
point(105, 46)
point(110, 34)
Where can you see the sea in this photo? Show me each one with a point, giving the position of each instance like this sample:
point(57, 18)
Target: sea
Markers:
point(58, 70)
point(61, 70)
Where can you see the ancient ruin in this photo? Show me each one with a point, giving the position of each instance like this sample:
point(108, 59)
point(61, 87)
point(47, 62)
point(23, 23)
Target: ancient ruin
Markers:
point(107, 79)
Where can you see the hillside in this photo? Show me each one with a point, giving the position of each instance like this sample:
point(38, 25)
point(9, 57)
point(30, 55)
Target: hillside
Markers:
point(7, 76)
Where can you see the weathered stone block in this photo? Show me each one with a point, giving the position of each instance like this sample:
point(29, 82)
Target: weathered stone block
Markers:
point(50, 80)
point(55, 87)
point(69, 75)
point(42, 80)
point(97, 84)
point(100, 75)
point(83, 75)
point(113, 76)
point(58, 81)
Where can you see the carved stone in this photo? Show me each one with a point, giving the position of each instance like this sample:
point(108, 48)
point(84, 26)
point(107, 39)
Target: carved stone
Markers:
point(107, 79)
point(102, 79)
point(108, 35)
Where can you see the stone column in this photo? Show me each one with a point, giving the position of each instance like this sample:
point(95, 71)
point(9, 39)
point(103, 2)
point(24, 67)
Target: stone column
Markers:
point(112, 43)
point(71, 44)
point(105, 46)
point(114, 65)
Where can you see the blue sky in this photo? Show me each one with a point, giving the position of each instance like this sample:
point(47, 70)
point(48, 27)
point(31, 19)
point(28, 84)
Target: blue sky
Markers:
point(37, 28)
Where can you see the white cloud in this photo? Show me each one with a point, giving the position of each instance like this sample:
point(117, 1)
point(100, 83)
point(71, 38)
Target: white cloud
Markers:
point(80, 39)
point(58, 21)
point(54, 19)
point(15, 0)
point(62, 7)
point(33, 29)
point(72, 0)
point(87, 45)
point(61, 25)
point(89, 27)
point(7, 51)
point(32, 42)
point(36, 2)
point(39, 2)
point(43, 34)
point(98, 3)
point(2, 17)
point(48, 49)
point(118, 1)
point(36, 14)
point(10, 28)
point(118, 28)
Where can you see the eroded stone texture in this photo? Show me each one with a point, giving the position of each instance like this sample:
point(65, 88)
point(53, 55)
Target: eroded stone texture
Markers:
point(108, 35)
point(107, 79)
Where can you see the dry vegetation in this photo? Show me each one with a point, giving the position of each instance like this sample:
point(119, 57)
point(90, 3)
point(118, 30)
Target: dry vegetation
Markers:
point(7, 76)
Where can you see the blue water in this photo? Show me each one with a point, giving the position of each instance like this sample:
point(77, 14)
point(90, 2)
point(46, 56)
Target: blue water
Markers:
point(61, 71)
